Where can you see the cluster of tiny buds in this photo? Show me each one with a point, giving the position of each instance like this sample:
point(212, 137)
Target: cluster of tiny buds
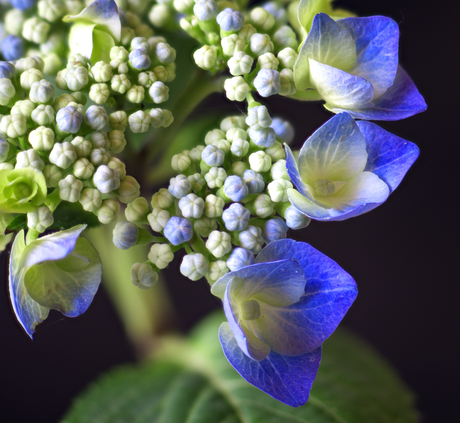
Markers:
point(258, 47)
point(228, 199)
point(70, 147)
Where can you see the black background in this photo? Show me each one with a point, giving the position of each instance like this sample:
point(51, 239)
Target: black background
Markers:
point(404, 255)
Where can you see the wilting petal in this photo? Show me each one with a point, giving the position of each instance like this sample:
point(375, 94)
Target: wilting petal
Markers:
point(389, 156)
point(336, 151)
point(287, 379)
point(376, 39)
point(339, 88)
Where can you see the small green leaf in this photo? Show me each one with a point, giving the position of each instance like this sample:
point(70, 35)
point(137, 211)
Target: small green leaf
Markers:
point(193, 383)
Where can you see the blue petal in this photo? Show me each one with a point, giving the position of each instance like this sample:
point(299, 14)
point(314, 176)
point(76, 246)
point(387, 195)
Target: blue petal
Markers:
point(389, 156)
point(400, 101)
point(340, 88)
point(329, 291)
point(287, 379)
point(279, 283)
point(376, 39)
point(293, 171)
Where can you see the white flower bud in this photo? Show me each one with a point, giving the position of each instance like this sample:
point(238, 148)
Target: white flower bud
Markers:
point(43, 115)
point(52, 175)
point(159, 92)
point(260, 161)
point(194, 266)
point(262, 18)
point(23, 107)
point(197, 181)
point(99, 139)
point(70, 189)
point(76, 78)
point(139, 122)
point(29, 77)
point(263, 206)
point(239, 147)
point(101, 72)
point(276, 152)
point(278, 190)
point(161, 255)
point(191, 206)
point(120, 83)
point(213, 206)
point(119, 53)
point(35, 30)
point(246, 32)
point(287, 82)
point(180, 162)
point(42, 138)
point(205, 57)
point(236, 88)
point(217, 269)
point(106, 179)
point(14, 21)
point(215, 177)
point(13, 125)
point(117, 141)
point(158, 219)
point(99, 93)
point(136, 94)
point(63, 155)
point(51, 10)
point(279, 170)
point(143, 276)
point(240, 63)
point(146, 79)
point(223, 145)
point(108, 212)
point(83, 169)
point(29, 158)
point(232, 44)
point(91, 199)
point(268, 61)
point(82, 146)
point(287, 57)
point(40, 219)
point(260, 44)
point(96, 117)
point(219, 243)
point(7, 91)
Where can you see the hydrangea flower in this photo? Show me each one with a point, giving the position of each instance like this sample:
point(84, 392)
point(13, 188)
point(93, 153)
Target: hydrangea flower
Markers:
point(347, 168)
point(280, 310)
point(353, 64)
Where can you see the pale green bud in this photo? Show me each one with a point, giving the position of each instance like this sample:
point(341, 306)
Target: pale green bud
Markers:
point(117, 141)
point(40, 219)
point(276, 152)
point(143, 31)
point(240, 63)
point(99, 156)
point(99, 93)
point(268, 61)
point(101, 72)
point(279, 170)
point(41, 91)
point(260, 161)
point(13, 125)
point(184, 6)
point(83, 169)
point(287, 57)
point(217, 269)
point(158, 219)
point(63, 101)
point(52, 63)
point(285, 37)
point(278, 190)
point(232, 44)
point(162, 199)
point(194, 266)
point(205, 57)
point(161, 255)
point(240, 147)
point(236, 133)
point(7, 91)
point(35, 30)
point(143, 275)
point(180, 162)
point(14, 21)
point(263, 206)
point(262, 19)
point(43, 115)
point(6, 166)
point(219, 243)
point(80, 108)
point(195, 153)
point(160, 15)
point(118, 120)
point(108, 212)
point(51, 10)
point(118, 166)
point(23, 107)
point(139, 122)
point(74, 7)
point(70, 189)
point(129, 190)
point(60, 80)
point(90, 199)
point(287, 82)
point(27, 63)
point(159, 92)
point(82, 147)
point(236, 88)
point(127, 34)
point(169, 118)
point(146, 79)
point(100, 139)
point(204, 226)
point(63, 155)
point(137, 211)
point(29, 158)
point(136, 94)
point(197, 181)
point(160, 73)
point(76, 78)
point(238, 168)
point(215, 177)
point(213, 206)
point(76, 60)
point(214, 135)
point(29, 77)
point(54, 44)
point(119, 53)
point(52, 175)
point(260, 44)
point(246, 32)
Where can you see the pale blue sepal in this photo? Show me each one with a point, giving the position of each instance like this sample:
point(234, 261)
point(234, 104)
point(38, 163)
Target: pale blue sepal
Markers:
point(376, 40)
point(58, 271)
point(389, 156)
point(103, 13)
point(336, 151)
point(329, 293)
point(340, 88)
point(287, 379)
point(293, 171)
point(279, 283)
point(400, 101)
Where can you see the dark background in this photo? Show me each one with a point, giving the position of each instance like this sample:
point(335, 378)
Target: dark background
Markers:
point(404, 255)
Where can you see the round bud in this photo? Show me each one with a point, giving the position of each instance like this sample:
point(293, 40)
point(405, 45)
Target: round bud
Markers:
point(161, 255)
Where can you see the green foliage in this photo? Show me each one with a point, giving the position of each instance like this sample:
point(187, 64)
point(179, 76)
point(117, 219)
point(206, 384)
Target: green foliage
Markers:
point(193, 382)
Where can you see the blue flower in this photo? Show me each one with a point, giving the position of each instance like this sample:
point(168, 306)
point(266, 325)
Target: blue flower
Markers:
point(353, 64)
point(236, 217)
point(274, 229)
point(267, 82)
point(23, 4)
point(279, 311)
point(235, 188)
point(7, 70)
point(12, 47)
point(140, 59)
point(178, 230)
point(347, 168)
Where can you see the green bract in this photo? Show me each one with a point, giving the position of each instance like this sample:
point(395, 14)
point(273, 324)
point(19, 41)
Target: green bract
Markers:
point(21, 190)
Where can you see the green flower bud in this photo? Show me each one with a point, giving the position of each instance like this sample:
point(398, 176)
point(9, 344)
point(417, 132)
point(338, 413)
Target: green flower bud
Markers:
point(204, 226)
point(119, 53)
point(99, 93)
point(99, 156)
point(260, 161)
point(139, 122)
point(101, 72)
point(279, 170)
point(143, 275)
point(51, 10)
point(238, 168)
point(118, 166)
point(7, 91)
point(219, 243)
point(100, 139)
point(40, 219)
point(213, 206)
point(184, 6)
point(285, 37)
point(118, 120)
point(117, 141)
point(43, 115)
point(29, 158)
point(169, 118)
point(143, 31)
point(162, 199)
point(23, 107)
point(14, 21)
point(263, 206)
point(136, 94)
point(27, 63)
point(232, 44)
point(35, 30)
point(77, 60)
point(276, 152)
point(233, 122)
point(63, 155)
point(287, 57)
point(160, 15)
point(246, 32)
point(287, 82)
point(240, 63)
point(82, 147)
point(74, 7)
point(160, 73)
point(70, 189)
point(53, 63)
point(13, 125)
point(63, 101)
point(161, 255)
point(217, 269)
point(52, 175)
point(214, 135)
point(137, 211)
point(194, 266)
point(205, 57)
point(222, 144)
point(127, 34)
point(60, 80)
point(146, 79)
point(129, 190)
point(158, 219)
point(215, 178)
point(180, 162)
point(278, 190)
point(262, 19)
point(21, 190)
point(29, 77)
point(90, 199)
point(261, 43)
point(236, 88)
point(195, 153)
point(54, 44)
point(197, 181)
point(108, 212)
point(159, 92)
point(76, 78)
point(268, 61)
point(83, 169)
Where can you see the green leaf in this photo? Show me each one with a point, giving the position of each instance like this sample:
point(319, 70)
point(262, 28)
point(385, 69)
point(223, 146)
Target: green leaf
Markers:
point(309, 8)
point(102, 43)
point(193, 383)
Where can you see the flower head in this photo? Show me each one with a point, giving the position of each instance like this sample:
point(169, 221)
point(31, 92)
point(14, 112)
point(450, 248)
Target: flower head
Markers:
point(279, 312)
point(347, 168)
